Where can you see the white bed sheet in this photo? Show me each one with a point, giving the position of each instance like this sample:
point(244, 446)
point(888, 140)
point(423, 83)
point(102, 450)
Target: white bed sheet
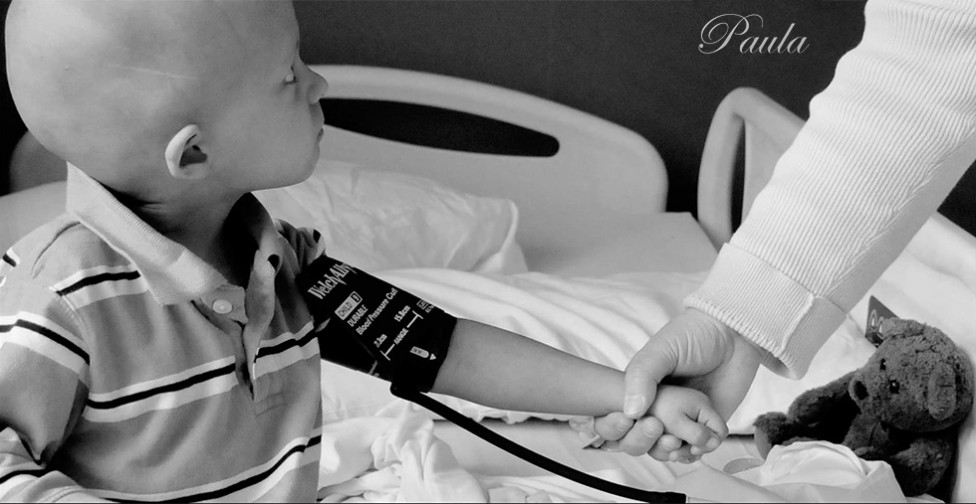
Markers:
point(664, 242)
point(612, 316)
point(933, 280)
point(823, 473)
point(603, 319)
point(559, 442)
point(401, 456)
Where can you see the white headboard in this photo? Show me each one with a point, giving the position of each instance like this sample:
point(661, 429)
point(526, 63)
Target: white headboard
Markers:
point(601, 178)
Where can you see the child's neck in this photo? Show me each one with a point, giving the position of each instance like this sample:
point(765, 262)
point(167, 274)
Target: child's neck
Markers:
point(204, 229)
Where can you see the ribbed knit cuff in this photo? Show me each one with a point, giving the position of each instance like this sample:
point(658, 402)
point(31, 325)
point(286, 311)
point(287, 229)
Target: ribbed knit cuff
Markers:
point(768, 308)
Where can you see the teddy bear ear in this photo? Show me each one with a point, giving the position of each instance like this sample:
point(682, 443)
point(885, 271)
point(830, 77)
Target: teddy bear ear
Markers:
point(941, 397)
point(892, 329)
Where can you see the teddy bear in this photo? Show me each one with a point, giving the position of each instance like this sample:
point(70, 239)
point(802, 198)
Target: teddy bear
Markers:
point(903, 406)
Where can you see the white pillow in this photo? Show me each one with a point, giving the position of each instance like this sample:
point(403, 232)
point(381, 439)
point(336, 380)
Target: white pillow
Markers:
point(378, 220)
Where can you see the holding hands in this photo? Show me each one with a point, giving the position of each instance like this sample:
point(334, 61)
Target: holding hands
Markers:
point(696, 351)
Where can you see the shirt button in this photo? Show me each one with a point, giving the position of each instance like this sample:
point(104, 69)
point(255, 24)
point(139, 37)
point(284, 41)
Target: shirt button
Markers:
point(222, 306)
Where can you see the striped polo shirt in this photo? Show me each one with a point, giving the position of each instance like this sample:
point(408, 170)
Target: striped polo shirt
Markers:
point(130, 369)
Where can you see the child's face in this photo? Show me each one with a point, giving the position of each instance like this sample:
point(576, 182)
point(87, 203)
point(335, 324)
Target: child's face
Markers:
point(268, 136)
point(107, 84)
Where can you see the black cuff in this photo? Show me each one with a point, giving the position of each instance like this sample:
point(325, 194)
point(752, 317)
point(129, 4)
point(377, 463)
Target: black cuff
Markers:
point(371, 326)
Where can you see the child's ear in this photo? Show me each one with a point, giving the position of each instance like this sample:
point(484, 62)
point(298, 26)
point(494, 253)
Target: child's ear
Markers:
point(186, 157)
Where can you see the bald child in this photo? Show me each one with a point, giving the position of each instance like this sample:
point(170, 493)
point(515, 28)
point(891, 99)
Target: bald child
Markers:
point(154, 342)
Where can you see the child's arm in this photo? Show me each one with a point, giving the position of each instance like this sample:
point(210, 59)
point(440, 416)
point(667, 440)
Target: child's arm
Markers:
point(484, 364)
point(504, 370)
point(497, 368)
point(43, 362)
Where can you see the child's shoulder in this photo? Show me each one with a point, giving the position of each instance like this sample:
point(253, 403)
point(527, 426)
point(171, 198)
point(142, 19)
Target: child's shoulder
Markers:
point(56, 251)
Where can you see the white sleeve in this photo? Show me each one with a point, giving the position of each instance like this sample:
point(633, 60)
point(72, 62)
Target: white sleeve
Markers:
point(885, 143)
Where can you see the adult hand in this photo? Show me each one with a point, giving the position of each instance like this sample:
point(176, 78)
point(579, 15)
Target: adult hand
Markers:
point(693, 350)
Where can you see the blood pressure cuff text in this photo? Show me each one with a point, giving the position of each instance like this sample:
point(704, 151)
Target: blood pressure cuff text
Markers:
point(368, 325)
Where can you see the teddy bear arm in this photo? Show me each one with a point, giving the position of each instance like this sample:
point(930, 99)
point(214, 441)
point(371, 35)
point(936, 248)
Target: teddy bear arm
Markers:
point(772, 429)
point(830, 401)
point(920, 466)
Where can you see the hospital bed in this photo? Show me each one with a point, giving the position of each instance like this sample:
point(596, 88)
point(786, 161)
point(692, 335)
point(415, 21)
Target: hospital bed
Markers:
point(560, 234)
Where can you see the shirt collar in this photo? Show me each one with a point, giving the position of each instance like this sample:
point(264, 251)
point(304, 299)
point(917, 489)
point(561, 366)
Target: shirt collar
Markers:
point(174, 273)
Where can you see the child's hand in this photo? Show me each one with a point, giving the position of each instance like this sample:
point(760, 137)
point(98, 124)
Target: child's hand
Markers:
point(680, 415)
point(688, 416)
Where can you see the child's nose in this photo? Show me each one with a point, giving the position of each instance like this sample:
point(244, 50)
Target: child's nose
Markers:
point(318, 88)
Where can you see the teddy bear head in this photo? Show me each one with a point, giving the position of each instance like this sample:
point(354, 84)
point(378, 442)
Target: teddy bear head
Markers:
point(917, 380)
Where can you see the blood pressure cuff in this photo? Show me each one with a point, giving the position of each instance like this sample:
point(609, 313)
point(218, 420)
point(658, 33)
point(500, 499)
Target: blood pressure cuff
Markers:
point(368, 325)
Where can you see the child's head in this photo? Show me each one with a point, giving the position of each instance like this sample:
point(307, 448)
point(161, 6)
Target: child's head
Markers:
point(160, 99)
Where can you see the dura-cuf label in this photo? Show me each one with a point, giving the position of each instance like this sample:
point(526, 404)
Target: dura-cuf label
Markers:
point(369, 325)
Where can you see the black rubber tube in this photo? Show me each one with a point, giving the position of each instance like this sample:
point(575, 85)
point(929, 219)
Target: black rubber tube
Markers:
point(528, 455)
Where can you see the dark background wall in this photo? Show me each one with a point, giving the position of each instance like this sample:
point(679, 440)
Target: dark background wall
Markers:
point(634, 62)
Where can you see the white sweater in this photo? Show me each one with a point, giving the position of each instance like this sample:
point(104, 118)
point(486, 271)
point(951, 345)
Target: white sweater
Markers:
point(885, 143)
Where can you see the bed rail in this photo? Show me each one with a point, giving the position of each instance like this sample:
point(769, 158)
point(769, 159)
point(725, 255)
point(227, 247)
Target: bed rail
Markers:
point(603, 178)
point(769, 129)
